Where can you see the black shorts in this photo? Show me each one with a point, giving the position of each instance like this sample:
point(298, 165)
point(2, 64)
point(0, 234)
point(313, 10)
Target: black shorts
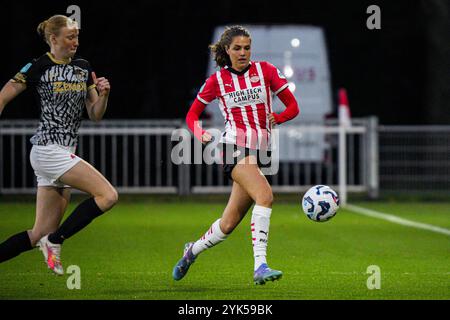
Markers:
point(232, 154)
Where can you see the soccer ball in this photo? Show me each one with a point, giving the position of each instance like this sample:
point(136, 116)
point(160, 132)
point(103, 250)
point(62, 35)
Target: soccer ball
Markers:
point(320, 203)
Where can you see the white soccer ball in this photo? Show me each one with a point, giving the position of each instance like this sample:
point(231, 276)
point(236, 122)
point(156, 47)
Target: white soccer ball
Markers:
point(320, 203)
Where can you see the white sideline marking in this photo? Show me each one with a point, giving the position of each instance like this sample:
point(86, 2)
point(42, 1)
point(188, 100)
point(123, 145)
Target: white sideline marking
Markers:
point(395, 219)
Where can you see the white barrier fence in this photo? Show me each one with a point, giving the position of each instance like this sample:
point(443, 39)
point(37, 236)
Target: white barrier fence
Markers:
point(415, 159)
point(135, 155)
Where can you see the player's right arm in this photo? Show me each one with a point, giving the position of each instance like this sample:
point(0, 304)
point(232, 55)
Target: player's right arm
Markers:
point(9, 91)
point(17, 84)
point(192, 120)
point(206, 94)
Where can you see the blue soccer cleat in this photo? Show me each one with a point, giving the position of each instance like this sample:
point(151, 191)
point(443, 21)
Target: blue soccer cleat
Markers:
point(182, 266)
point(264, 274)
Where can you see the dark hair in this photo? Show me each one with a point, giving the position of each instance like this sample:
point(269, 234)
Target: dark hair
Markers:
point(219, 48)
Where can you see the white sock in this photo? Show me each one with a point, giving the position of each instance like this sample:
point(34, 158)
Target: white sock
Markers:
point(260, 233)
point(212, 237)
point(259, 260)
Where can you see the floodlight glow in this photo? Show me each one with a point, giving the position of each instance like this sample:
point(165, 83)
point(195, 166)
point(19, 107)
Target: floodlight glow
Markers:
point(288, 71)
point(295, 42)
point(292, 87)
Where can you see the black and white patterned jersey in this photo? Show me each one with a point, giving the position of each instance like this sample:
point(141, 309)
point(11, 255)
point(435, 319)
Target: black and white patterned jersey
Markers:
point(61, 89)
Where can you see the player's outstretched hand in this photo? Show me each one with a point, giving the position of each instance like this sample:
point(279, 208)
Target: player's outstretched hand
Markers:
point(102, 85)
point(206, 137)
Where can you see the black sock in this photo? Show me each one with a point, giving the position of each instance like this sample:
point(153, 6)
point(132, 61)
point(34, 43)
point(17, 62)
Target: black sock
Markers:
point(78, 219)
point(14, 246)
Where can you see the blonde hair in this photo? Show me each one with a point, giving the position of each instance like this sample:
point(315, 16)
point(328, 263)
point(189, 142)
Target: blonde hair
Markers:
point(53, 25)
point(219, 49)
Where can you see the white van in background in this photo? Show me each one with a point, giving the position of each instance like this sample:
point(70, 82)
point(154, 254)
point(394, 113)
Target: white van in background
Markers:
point(300, 53)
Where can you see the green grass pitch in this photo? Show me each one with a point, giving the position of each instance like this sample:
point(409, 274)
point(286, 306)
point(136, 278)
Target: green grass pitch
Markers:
point(129, 253)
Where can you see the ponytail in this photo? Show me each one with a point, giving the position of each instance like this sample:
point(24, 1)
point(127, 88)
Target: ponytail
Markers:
point(41, 29)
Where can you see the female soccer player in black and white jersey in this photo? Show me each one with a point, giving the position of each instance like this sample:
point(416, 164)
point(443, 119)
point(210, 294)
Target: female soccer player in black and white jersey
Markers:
point(65, 85)
point(244, 89)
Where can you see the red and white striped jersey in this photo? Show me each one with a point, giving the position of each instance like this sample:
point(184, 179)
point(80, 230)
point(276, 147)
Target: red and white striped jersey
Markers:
point(245, 100)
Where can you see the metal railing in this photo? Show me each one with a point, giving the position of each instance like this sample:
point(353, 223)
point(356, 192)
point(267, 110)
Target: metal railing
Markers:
point(297, 176)
point(415, 158)
point(135, 155)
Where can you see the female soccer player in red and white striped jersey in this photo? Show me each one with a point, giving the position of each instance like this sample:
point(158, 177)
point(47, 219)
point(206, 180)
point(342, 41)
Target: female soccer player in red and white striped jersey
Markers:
point(244, 89)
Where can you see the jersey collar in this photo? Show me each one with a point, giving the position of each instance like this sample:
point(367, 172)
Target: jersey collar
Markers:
point(64, 61)
point(239, 72)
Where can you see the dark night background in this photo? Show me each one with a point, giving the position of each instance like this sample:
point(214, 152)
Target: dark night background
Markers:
point(155, 54)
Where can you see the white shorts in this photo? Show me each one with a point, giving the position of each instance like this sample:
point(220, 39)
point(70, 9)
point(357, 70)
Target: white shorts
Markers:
point(51, 162)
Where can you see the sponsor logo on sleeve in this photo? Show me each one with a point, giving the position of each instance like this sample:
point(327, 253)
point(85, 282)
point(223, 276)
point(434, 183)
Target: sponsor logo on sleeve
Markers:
point(25, 68)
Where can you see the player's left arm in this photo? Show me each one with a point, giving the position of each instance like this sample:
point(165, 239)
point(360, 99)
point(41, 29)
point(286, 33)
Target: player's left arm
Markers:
point(97, 100)
point(279, 85)
point(291, 111)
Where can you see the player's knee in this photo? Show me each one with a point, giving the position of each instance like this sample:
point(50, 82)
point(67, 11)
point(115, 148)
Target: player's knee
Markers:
point(265, 199)
point(35, 236)
point(227, 227)
point(107, 200)
point(111, 198)
point(34, 240)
